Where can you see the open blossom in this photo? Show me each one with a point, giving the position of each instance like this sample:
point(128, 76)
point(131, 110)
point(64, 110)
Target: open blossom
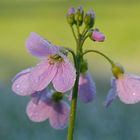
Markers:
point(43, 106)
point(126, 87)
point(86, 89)
point(54, 67)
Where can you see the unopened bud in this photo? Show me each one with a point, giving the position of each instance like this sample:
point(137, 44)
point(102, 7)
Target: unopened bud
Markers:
point(97, 36)
point(84, 66)
point(70, 16)
point(117, 70)
point(89, 19)
point(79, 16)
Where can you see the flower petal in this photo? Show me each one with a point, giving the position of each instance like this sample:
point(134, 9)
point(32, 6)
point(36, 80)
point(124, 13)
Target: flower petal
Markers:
point(128, 88)
point(21, 84)
point(38, 112)
point(65, 77)
point(59, 115)
point(87, 89)
point(112, 94)
point(42, 75)
point(40, 47)
point(21, 73)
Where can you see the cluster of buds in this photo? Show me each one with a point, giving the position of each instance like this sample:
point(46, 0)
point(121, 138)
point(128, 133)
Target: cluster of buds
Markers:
point(77, 17)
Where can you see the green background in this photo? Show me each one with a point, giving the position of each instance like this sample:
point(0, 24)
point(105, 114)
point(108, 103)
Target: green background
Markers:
point(120, 22)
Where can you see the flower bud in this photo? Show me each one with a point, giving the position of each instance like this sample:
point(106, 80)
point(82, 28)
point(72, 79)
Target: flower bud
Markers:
point(97, 36)
point(89, 19)
point(70, 16)
point(84, 66)
point(117, 70)
point(79, 16)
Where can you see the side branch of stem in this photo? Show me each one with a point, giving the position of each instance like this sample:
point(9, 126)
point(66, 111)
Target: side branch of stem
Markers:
point(100, 53)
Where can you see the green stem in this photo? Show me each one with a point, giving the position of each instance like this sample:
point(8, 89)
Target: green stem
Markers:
point(74, 56)
point(102, 54)
point(73, 109)
point(74, 94)
point(74, 34)
point(78, 29)
point(78, 58)
point(85, 28)
point(83, 40)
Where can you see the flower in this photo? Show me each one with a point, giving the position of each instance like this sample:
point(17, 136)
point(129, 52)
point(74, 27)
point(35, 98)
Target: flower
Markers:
point(44, 106)
point(86, 89)
point(125, 86)
point(97, 36)
point(54, 67)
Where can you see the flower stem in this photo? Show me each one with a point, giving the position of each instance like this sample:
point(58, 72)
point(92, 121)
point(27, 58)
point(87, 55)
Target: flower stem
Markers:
point(102, 54)
point(73, 33)
point(74, 101)
point(75, 91)
point(73, 109)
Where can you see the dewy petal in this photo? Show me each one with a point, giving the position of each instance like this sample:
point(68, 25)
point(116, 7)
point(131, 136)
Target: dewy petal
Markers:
point(23, 72)
point(42, 75)
point(39, 95)
point(40, 47)
point(21, 84)
point(128, 89)
point(65, 77)
point(38, 112)
point(59, 115)
point(87, 89)
point(112, 94)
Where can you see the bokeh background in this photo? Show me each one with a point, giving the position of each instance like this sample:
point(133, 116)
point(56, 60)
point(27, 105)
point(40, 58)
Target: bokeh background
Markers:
point(119, 20)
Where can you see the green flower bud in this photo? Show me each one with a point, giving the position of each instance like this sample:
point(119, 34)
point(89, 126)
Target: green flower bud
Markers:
point(84, 66)
point(79, 16)
point(89, 19)
point(71, 16)
point(117, 70)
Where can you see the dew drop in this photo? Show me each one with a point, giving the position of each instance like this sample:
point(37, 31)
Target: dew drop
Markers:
point(21, 91)
point(134, 93)
point(39, 67)
point(37, 80)
point(17, 86)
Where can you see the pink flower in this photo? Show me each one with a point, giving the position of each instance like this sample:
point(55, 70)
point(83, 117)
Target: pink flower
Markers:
point(86, 89)
point(127, 88)
point(43, 106)
point(98, 36)
point(54, 67)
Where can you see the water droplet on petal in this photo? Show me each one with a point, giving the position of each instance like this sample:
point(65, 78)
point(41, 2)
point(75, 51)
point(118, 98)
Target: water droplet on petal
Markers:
point(36, 81)
point(134, 93)
point(17, 86)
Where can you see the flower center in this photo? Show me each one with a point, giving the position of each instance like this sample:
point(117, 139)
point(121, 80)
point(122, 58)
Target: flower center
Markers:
point(52, 59)
point(57, 96)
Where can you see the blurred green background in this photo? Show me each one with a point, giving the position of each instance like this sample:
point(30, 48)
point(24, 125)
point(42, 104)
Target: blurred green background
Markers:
point(119, 20)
